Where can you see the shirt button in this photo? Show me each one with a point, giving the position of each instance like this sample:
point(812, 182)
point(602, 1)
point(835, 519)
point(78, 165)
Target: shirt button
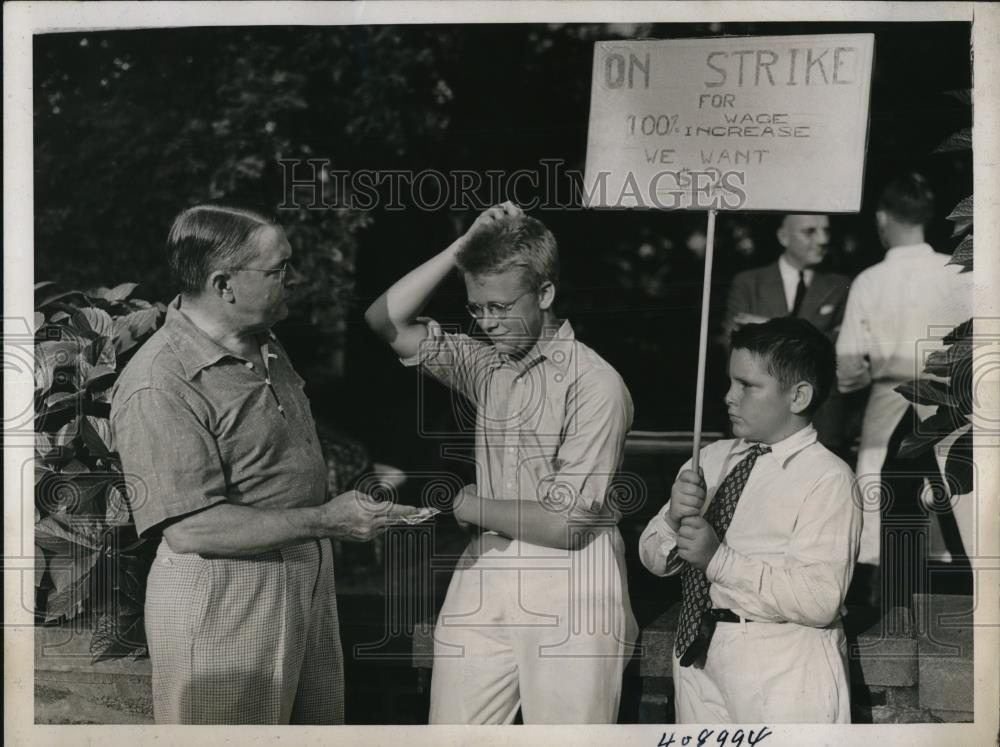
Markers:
point(249, 365)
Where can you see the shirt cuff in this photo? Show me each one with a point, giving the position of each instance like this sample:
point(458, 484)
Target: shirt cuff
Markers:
point(149, 520)
point(657, 547)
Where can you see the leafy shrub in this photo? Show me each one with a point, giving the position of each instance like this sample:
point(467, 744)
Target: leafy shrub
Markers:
point(92, 564)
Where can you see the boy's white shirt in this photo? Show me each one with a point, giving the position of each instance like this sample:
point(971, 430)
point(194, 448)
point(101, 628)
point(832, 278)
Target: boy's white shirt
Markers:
point(790, 550)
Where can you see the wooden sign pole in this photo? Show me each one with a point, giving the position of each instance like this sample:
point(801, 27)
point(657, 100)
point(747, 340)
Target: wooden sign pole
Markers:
point(706, 293)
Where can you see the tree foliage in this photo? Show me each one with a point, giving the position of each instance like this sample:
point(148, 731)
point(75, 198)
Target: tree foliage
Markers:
point(157, 121)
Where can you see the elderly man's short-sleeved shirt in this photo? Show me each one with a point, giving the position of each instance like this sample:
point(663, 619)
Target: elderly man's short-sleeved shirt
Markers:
point(549, 427)
point(196, 425)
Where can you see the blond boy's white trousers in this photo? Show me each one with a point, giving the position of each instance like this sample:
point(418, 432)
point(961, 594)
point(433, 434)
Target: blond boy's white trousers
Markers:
point(544, 630)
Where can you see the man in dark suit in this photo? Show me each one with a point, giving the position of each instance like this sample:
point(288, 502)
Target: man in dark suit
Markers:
point(793, 287)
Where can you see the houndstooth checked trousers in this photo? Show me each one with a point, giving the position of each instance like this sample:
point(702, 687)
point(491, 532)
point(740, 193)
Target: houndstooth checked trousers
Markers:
point(251, 640)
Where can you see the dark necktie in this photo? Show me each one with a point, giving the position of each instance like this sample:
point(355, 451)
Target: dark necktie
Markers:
point(800, 294)
point(694, 584)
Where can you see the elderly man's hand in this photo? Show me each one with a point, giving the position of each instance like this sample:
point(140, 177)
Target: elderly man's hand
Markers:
point(359, 517)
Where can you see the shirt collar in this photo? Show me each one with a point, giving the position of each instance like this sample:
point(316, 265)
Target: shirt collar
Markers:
point(552, 346)
point(195, 349)
point(790, 273)
point(908, 251)
point(786, 448)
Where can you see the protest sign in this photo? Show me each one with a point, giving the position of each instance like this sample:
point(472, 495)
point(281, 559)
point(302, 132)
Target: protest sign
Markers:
point(742, 123)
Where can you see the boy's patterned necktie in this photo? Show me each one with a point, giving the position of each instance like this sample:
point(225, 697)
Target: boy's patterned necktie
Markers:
point(694, 584)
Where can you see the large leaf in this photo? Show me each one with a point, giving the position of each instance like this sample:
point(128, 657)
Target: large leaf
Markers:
point(962, 256)
point(98, 330)
point(133, 558)
point(962, 216)
point(53, 531)
point(99, 378)
point(949, 361)
point(118, 512)
point(927, 392)
point(51, 450)
point(92, 322)
point(60, 363)
point(916, 444)
point(931, 430)
point(132, 329)
point(62, 428)
point(963, 210)
point(120, 292)
point(63, 424)
point(96, 434)
point(71, 584)
point(70, 565)
point(118, 636)
point(962, 332)
point(59, 401)
point(47, 293)
point(76, 500)
point(102, 351)
point(961, 140)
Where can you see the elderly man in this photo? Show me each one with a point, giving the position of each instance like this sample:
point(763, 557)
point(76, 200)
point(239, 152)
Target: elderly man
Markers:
point(220, 448)
point(792, 286)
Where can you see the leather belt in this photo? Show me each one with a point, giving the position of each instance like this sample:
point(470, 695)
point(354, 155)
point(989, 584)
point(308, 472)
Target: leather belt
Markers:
point(706, 629)
point(727, 616)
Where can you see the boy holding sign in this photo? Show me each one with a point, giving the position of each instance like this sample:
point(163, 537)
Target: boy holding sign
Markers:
point(537, 615)
point(766, 539)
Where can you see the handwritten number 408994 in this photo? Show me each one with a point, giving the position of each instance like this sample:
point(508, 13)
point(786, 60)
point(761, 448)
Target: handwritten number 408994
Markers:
point(721, 738)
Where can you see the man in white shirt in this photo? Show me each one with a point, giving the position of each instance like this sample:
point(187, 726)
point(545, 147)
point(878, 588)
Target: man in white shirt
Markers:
point(792, 286)
point(897, 311)
point(765, 539)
